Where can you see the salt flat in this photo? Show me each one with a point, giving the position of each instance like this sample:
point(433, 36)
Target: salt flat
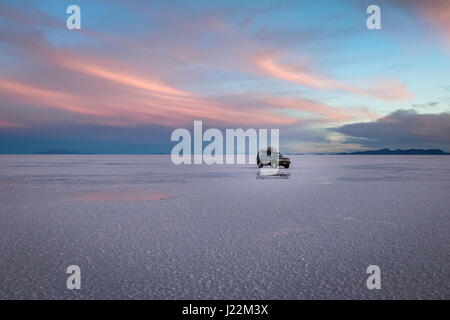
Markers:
point(140, 227)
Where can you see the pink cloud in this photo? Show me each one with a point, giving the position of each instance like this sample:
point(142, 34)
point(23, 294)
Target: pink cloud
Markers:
point(437, 12)
point(118, 92)
point(325, 112)
point(389, 90)
point(135, 99)
point(30, 94)
point(7, 124)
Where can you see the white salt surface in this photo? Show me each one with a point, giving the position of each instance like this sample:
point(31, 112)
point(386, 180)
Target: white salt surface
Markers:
point(140, 227)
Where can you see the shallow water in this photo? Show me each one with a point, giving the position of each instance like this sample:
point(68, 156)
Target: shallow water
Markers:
point(140, 227)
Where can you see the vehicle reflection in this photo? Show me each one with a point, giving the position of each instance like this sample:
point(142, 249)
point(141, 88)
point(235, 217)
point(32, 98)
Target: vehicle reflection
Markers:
point(272, 173)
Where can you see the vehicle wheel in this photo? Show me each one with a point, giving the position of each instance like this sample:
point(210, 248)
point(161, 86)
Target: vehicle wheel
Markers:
point(286, 166)
point(260, 164)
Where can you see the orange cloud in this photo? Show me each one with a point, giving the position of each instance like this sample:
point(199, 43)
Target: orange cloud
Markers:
point(389, 91)
point(137, 100)
point(48, 98)
point(126, 96)
point(123, 78)
point(267, 64)
point(327, 113)
point(152, 97)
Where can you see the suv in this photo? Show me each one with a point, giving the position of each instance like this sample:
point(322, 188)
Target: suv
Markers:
point(271, 157)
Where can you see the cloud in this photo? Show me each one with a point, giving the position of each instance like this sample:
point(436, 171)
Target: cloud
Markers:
point(96, 88)
point(14, 91)
point(124, 94)
point(324, 112)
point(387, 90)
point(172, 65)
point(435, 13)
point(6, 124)
point(31, 16)
point(401, 129)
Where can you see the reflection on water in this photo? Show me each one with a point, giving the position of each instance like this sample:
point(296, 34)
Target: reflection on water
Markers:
point(226, 234)
point(120, 196)
point(272, 173)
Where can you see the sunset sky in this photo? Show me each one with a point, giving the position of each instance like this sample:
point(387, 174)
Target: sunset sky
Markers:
point(139, 69)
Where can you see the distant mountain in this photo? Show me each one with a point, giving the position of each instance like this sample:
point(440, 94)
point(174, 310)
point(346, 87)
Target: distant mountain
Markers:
point(58, 151)
point(398, 152)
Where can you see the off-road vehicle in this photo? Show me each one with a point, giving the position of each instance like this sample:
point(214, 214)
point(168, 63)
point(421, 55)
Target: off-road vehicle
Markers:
point(271, 157)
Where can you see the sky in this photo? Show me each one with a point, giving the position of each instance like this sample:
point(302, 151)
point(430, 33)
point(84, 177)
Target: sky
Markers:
point(137, 70)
